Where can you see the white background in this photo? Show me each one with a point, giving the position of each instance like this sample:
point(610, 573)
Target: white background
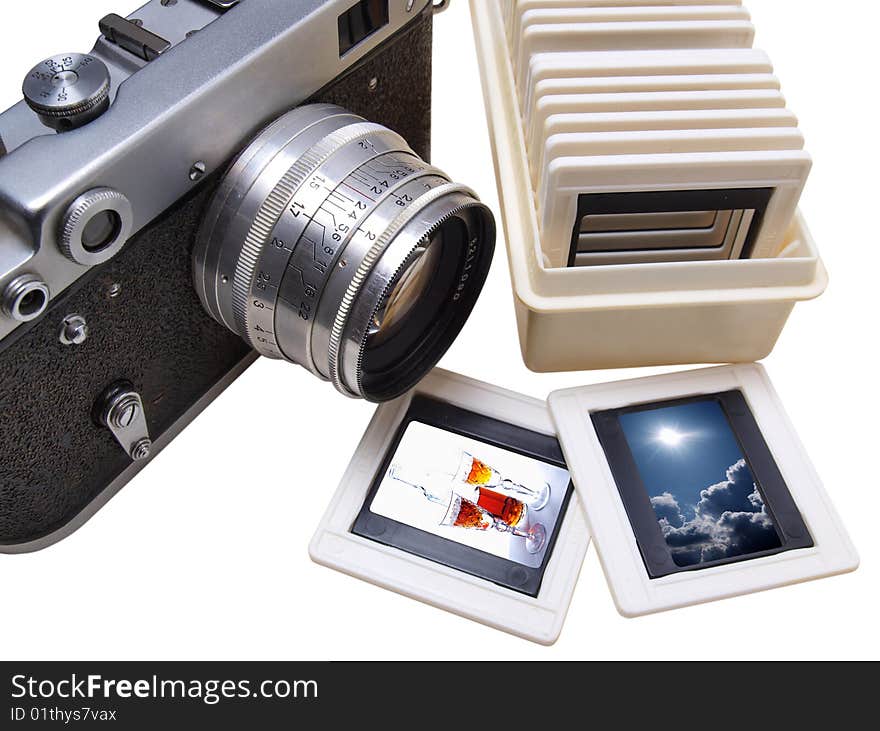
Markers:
point(204, 555)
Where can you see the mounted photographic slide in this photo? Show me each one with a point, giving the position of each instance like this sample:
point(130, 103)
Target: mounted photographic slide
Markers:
point(697, 477)
point(571, 184)
point(634, 36)
point(466, 491)
point(638, 28)
point(697, 488)
point(514, 10)
point(554, 65)
point(573, 123)
point(459, 496)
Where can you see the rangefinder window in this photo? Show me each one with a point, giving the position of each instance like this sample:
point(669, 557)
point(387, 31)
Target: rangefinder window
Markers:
point(360, 22)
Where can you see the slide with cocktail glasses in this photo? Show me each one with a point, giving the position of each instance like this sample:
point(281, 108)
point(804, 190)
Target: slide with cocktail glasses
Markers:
point(473, 503)
point(494, 516)
point(459, 496)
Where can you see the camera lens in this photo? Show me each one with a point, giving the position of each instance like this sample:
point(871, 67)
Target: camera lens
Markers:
point(331, 244)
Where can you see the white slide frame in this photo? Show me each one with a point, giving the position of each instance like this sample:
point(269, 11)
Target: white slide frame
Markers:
point(538, 619)
point(635, 594)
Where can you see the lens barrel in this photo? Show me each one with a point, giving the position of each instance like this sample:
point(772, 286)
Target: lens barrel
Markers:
point(311, 238)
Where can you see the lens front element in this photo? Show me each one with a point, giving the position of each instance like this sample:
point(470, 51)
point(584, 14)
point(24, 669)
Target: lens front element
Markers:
point(406, 292)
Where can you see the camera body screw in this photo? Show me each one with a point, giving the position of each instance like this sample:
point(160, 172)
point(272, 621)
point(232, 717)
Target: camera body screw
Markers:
point(74, 330)
point(121, 409)
point(141, 450)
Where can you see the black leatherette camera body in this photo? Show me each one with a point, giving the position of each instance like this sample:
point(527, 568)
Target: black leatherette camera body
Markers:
point(56, 461)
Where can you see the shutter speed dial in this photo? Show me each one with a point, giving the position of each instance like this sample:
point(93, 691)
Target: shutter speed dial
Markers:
point(68, 91)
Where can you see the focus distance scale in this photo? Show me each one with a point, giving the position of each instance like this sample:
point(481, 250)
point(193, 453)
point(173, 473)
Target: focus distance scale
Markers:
point(359, 261)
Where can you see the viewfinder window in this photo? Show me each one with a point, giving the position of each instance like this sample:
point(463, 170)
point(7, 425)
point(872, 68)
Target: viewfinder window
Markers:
point(360, 22)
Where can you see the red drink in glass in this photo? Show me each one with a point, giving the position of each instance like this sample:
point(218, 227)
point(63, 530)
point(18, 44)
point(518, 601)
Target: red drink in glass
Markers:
point(507, 509)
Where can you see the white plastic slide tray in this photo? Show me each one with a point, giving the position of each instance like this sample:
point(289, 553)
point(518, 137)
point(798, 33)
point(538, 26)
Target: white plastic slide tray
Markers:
point(687, 437)
point(386, 518)
point(631, 316)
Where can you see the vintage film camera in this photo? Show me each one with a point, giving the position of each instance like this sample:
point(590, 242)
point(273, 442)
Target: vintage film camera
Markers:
point(201, 188)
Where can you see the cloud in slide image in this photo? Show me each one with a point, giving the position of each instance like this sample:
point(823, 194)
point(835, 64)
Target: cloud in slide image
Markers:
point(730, 519)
